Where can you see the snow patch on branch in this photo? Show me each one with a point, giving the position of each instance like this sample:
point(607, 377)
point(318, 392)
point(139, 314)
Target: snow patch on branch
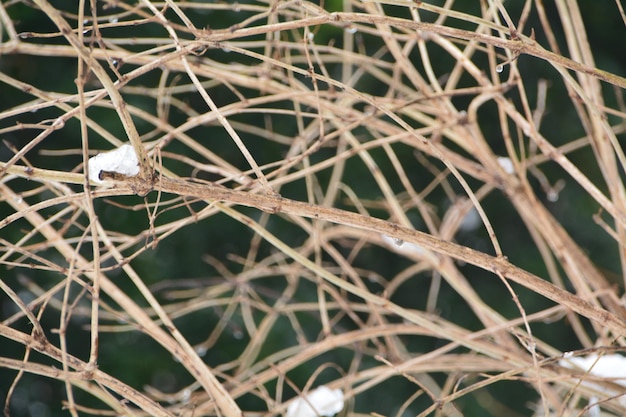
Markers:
point(611, 367)
point(507, 164)
point(122, 160)
point(402, 247)
point(322, 401)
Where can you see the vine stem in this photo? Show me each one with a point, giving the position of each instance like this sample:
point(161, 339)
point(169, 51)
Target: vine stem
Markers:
point(276, 204)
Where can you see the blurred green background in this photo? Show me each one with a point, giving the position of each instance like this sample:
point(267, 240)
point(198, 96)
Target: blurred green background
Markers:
point(136, 360)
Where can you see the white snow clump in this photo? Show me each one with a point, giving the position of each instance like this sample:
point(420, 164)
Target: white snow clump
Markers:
point(471, 221)
point(322, 401)
point(122, 160)
point(609, 366)
point(405, 248)
point(506, 164)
